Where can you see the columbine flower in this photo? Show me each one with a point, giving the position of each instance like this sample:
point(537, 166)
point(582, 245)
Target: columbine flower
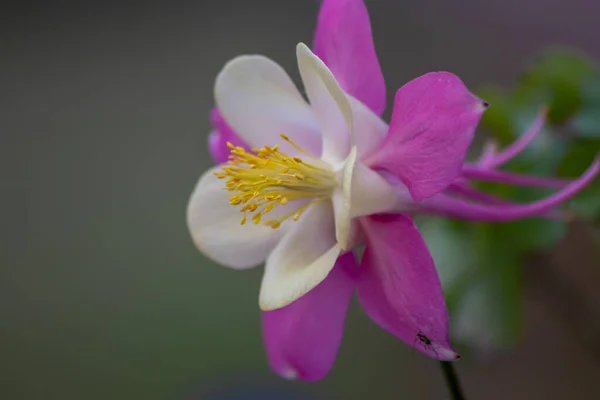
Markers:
point(299, 192)
point(312, 181)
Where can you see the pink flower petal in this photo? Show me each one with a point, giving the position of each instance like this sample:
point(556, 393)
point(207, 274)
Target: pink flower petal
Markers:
point(217, 147)
point(223, 133)
point(432, 126)
point(344, 42)
point(302, 339)
point(399, 287)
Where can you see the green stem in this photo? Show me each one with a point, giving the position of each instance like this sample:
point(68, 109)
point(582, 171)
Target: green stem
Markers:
point(452, 380)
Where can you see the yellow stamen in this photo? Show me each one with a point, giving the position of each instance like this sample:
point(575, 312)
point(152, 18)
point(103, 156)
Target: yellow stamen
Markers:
point(263, 179)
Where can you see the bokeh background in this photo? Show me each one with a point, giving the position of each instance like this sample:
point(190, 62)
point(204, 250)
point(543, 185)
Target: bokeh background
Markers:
point(104, 118)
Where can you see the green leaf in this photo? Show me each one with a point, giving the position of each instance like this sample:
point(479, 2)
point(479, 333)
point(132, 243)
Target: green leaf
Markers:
point(586, 204)
point(488, 316)
point(556, 78)
point(451, 250)
point(481, 275)
point(536, 234)
point(497, 119)
point(587, 123)
point(578, 158)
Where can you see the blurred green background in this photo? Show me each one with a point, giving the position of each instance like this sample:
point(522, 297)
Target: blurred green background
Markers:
point(104, 123)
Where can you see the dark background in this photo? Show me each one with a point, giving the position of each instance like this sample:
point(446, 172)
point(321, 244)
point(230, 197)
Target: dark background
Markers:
point(103, 135)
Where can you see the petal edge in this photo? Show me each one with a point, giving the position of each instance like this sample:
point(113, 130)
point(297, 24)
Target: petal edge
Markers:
point(399, 287)
point(302, 259)
point(302, 339)
point(344, 41)
point(433, 122)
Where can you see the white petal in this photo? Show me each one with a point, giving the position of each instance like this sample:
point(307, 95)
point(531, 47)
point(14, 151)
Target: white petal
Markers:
point(302, 259)
point(342, 202)
point(371, 193)
point(329, 104)
point(260, 102)
point(215, 227)
point(363, 192)
point(369, 130)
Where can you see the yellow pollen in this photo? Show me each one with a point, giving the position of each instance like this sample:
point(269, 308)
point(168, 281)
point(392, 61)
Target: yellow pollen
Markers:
point(263, 179)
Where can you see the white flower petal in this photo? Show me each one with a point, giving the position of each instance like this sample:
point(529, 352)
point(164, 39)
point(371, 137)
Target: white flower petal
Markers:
point(341, 200)
point(260, 102)
point(371, 193)
point(302, 259)
point(215, 227)
point(369, 130)
point(363, 192)
point(329, 104)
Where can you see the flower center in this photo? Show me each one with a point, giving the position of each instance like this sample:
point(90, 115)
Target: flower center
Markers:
point(263, 179)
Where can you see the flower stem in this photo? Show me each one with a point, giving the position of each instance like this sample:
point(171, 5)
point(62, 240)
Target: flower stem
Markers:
point(452, 380)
